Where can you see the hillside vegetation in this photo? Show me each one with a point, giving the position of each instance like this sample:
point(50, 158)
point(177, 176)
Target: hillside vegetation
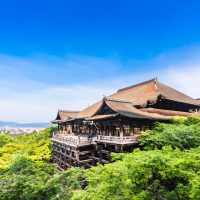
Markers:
point(166, 167)
point(26, 172)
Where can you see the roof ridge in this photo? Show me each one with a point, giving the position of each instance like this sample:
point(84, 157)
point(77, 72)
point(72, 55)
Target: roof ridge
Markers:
point(142, 83)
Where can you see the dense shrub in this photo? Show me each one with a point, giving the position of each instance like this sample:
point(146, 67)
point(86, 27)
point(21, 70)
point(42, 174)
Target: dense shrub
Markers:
point(29, 180)
point(27, 174)
point(4, 139)
point(36, 146)
point(168, 169)
point(183, 133)
point(157, 174)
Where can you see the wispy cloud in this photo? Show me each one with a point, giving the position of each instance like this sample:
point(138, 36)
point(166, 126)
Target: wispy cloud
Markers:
point(42, 105)
point(33, 88)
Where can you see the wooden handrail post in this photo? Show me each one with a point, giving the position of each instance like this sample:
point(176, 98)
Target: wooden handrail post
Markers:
point(79, 140)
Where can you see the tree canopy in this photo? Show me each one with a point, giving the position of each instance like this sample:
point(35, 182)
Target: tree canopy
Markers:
point(26, 172)
point(183, 133)
point(166, 166)
point(154, 174)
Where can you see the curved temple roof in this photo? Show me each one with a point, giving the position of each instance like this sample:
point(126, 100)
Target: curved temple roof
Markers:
point(124, 100)
point(141, 93)
point(65, 115)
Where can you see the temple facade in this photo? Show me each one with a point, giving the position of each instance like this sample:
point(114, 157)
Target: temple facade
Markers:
point(114, 123)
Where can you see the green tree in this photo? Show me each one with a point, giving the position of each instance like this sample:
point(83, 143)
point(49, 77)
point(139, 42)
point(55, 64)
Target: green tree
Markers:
point(4, 139)
point(183, 133)
point(146, 175)
point(28, 180)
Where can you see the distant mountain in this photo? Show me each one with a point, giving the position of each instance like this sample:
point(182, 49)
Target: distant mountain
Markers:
point(32, 125)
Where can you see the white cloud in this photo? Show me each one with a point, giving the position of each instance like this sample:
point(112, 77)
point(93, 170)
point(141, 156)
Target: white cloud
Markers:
point(42, 105)
point(184, 78)
point(24, 99)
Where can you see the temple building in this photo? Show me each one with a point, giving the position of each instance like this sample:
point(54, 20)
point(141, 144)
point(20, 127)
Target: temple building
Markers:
point(62, 118)
point(114, 123)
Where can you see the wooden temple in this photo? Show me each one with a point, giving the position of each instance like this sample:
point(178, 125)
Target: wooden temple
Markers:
point(114, 123)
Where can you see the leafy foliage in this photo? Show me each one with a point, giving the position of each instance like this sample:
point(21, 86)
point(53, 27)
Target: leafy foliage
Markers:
point(37, 147)
point(26, 179)
point(156, 174)
point(4, 139)
point(183, 133)
point(27, 174)
point(169, 168)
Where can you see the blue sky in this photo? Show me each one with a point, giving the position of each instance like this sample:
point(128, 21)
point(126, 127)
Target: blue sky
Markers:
point(68, 54)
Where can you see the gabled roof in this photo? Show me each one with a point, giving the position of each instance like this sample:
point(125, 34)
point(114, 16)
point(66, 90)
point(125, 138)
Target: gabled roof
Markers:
point(65, 115)
point(125, 108)
point(89, 111)
point(97, 117)
point(149, 91)
point(140, 94)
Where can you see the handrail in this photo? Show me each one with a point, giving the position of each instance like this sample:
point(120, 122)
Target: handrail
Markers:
point(124, 139)
point(80, 140)
point(69, 139)
point(60, 132)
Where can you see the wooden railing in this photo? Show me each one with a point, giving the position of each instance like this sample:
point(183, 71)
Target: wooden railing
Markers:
point(60, 132)
point(81, 139)
point(70, 139)
point(115, 139)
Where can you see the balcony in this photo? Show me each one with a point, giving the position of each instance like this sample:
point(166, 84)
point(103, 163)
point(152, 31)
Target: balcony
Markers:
point(83, 140)
point(71, 140)
point(117, 140)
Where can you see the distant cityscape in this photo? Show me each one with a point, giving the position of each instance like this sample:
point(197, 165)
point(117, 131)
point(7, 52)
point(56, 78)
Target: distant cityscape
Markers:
point(17, 130)
point(14, 128)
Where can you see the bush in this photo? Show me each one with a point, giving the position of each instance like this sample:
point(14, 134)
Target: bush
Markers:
point(4, 139)
point(27, 174)
point(183, 133)
point(29, 180)
point(146, 175)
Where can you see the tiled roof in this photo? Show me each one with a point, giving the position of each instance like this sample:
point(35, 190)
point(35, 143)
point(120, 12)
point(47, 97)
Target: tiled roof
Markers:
point(128, 110)
point(64, 115)
point(89, 111)
point(140, 94)
point(97, 117)
point(149, 91)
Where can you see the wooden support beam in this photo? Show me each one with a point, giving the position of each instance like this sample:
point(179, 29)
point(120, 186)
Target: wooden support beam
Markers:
point(85, 152)
point(105, 151)
point(93, 162)
point(85, 161)
point(100, 154)
point(77, 155)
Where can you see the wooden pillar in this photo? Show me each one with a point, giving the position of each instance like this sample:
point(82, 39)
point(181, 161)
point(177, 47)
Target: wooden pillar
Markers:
point(109, 129)
point(121, 130)
point(100, 128)
point(100, 154)
point(93, 163)
point(77, 155)
point(70, 157)
point(109, 152)
point(104, 124)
